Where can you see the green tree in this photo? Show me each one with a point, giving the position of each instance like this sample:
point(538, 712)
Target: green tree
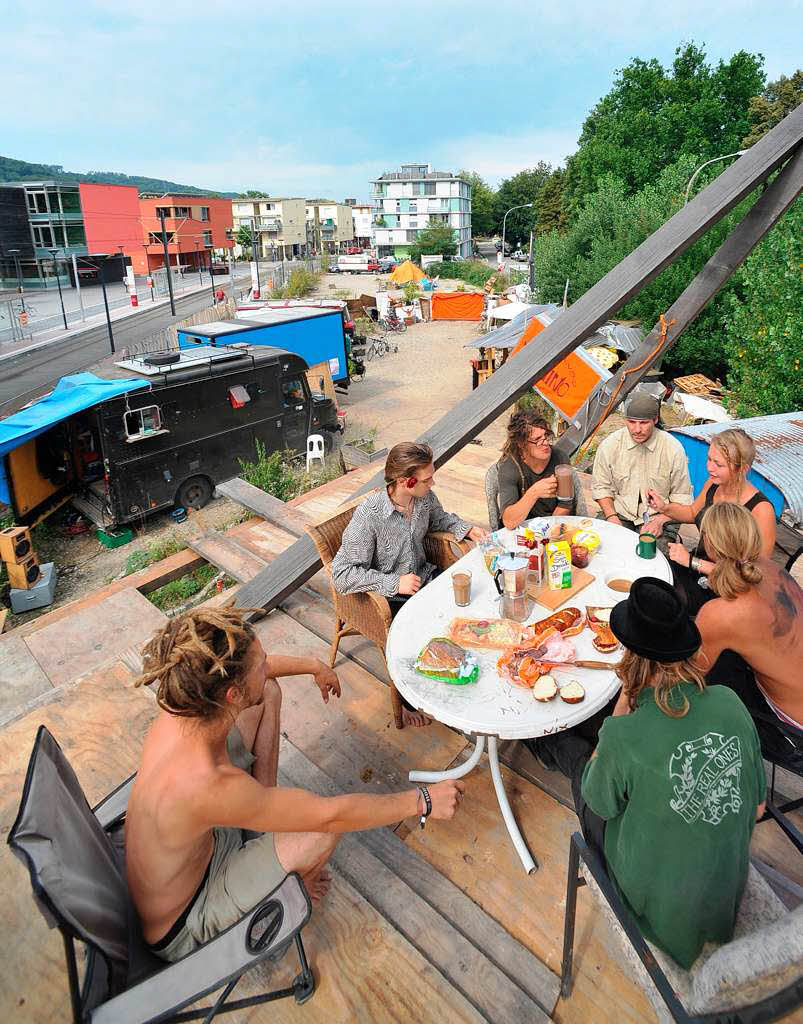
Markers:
point(523, 187)
point(436, 240)
point(550, 210)
point(652, 116)
point(243, 238)
point(613, 222)
point(763, 326)
point(482, 204)
point(253, 193)
point(775, 102)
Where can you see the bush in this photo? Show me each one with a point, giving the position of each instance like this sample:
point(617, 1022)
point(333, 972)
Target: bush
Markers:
point(302, 282)
point(177, 592)
point(271, 473)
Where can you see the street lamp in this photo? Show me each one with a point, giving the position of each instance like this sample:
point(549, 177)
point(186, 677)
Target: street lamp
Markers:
point(100, 265)
point(16, 254)
point(167, 261)
point(255, 249)
point(522, 206)
point(713, 160)
point(58, 282)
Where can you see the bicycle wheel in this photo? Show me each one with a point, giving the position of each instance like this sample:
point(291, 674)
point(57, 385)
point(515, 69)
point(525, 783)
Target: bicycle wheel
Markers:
point(369, 352)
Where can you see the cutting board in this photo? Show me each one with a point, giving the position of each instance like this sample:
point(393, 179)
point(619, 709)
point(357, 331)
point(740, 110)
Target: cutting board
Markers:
point(553, 599)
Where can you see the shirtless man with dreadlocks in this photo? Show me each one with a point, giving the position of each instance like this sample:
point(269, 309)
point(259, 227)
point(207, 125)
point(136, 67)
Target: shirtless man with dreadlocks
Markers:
point(208, 832)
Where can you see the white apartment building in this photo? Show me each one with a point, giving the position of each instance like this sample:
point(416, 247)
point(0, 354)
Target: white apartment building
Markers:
point(330, 227)
point(362, 215)
point(418, 197)
point(280, 224)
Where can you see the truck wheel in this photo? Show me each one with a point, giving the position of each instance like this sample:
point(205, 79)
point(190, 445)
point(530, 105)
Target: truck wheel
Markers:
point(195, 492)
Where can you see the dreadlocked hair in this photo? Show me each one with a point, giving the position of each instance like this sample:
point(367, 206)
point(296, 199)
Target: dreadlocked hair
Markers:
point(195, 658)
point(518, 432)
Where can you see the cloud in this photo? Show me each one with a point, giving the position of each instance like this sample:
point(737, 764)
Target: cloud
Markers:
point(498, 156)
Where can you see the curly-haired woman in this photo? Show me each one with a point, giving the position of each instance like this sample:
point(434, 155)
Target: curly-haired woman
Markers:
point(527, 484)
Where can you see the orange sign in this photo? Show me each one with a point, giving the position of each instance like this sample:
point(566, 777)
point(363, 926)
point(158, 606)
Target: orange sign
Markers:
point(568, 385)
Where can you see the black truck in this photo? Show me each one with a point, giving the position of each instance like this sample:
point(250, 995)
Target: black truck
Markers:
point(169, 443)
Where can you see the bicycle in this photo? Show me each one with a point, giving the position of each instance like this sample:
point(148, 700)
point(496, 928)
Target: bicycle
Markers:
point(379, 346)
point(393, 323)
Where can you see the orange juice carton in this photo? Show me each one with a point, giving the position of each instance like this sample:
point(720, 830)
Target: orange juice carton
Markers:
point(559, 565)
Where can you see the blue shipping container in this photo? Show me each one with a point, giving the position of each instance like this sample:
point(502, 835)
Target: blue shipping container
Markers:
point(315, 335)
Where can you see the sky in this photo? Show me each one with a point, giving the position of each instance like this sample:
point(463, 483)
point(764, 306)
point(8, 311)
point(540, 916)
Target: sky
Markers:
point(317, 99)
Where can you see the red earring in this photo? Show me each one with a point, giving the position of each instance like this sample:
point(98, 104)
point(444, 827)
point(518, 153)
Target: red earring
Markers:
point(412, 481)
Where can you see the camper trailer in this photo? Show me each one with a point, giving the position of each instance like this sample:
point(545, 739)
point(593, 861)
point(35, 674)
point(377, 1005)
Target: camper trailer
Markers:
point(155, 431)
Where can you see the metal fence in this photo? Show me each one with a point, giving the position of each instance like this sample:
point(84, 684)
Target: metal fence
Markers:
point(18, 323)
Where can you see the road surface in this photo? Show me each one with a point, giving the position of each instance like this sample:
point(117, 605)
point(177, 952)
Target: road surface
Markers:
point(28, 375)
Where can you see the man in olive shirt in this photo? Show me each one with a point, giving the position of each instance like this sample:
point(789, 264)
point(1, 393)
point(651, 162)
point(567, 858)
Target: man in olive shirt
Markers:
point(628, 460)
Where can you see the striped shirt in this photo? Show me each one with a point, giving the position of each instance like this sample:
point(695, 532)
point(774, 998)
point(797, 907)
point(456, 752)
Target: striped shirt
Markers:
point(380, 545)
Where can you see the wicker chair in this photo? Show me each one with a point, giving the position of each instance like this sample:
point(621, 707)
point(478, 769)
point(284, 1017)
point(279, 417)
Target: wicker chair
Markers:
point(368, 614)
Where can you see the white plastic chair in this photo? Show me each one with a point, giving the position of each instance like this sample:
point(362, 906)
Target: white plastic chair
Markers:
point(315, 449)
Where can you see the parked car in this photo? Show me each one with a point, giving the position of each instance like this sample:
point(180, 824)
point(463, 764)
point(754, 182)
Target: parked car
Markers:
point(519, 254)
point(387, 264)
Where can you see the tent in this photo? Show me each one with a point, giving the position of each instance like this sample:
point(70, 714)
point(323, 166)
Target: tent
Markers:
point(458, 305)
point(406, 272)
point(71, 395)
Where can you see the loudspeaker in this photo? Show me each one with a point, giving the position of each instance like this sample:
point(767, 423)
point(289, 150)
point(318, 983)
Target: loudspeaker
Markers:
point(15, 544)
point(22, 575)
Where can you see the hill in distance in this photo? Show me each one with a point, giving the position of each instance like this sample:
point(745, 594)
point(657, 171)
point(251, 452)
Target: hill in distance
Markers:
point(21, 170)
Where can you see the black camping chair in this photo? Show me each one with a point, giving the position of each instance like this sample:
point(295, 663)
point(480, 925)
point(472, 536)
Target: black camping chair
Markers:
point(75, 856)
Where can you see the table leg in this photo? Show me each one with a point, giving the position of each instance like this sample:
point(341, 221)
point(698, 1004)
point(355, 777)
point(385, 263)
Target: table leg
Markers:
point(513, 829)
point(453, 773)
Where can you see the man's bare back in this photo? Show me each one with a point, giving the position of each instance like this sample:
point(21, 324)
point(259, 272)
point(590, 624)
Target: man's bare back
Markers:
point(765, 626)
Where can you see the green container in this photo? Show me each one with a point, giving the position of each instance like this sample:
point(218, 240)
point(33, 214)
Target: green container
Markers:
point(115, 540)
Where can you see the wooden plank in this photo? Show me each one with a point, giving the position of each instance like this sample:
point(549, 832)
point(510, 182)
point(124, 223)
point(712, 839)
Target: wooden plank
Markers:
point(100, 723)
point(264, 504)
point(21, 676)
point(365, 971)
point(353, 738)
point(449, 434)
point(518, 758)
point(474, 850)
point(766, 212)
point(71, 647)
point(422, 882)
point(225, 553)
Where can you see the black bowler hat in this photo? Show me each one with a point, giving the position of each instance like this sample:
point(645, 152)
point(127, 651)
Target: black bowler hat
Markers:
point(653, 622)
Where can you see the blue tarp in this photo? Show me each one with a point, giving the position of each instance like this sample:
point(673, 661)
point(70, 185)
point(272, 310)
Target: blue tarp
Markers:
point(71, 395)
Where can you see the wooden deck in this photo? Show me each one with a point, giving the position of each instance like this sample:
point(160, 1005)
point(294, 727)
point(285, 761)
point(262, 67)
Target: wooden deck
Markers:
point(440, 925)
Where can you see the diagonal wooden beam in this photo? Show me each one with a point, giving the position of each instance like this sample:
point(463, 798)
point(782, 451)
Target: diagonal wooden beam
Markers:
point(762, 216)
point(471, 415)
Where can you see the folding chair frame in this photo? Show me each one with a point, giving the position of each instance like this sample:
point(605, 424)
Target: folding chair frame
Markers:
point(234, 951)
point(769, 1009)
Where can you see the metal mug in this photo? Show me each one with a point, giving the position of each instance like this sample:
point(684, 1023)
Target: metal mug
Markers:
point(647, 546)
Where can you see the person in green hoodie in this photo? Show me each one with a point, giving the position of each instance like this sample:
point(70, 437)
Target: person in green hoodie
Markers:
point(674, 787)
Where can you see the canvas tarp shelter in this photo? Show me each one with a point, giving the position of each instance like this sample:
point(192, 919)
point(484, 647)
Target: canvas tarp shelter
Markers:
point(458, 306)
point(407, 272)
point(508, 336)
point(71, 395)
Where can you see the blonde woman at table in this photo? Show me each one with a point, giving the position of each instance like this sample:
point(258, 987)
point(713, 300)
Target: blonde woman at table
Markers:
point(382, 549)
point(730, 456)
point(646, 796)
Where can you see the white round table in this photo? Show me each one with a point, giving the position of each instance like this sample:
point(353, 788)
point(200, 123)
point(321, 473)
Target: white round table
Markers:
point(493, 708)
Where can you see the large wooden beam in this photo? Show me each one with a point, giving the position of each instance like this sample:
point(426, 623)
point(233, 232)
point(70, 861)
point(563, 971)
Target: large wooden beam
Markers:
point(471, 415)
point(762, 216)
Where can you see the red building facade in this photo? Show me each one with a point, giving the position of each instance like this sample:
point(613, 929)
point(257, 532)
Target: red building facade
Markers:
point(197, 227)
point(111, 218)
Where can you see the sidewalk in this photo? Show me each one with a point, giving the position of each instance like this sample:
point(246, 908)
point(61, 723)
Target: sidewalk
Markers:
point(10, 349)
